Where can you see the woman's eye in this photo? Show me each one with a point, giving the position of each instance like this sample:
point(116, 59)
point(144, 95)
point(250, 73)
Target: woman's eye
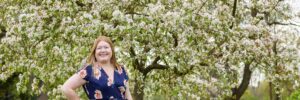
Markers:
point(105, 47)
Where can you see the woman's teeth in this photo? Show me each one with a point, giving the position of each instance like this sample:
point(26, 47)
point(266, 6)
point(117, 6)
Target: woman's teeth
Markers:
point(102, 54)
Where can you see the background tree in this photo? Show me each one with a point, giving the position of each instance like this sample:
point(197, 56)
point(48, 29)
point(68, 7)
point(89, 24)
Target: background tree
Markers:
point(179, 48)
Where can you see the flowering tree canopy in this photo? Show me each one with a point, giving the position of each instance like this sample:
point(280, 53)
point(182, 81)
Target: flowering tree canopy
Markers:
point(179, 48)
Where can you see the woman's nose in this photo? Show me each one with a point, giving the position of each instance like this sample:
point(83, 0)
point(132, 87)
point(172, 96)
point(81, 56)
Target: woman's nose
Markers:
point(102, 50)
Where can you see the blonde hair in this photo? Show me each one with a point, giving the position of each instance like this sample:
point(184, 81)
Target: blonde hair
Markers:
point(92, 59)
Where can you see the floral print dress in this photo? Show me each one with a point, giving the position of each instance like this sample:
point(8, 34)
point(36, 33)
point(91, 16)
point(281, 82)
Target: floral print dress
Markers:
point(99, 86)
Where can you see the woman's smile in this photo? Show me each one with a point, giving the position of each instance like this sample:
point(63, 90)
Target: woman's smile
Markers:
point(103, 52)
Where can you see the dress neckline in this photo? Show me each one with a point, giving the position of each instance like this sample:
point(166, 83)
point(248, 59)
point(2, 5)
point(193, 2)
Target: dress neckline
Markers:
point(107, 76)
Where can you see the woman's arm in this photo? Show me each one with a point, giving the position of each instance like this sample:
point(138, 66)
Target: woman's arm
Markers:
point(71, 84)
point(127, 92)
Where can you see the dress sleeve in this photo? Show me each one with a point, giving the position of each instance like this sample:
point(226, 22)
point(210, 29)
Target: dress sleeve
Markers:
point(125, 73)
point(85, 72)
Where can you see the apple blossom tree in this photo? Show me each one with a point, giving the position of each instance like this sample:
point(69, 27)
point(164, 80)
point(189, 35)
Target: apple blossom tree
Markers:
point(197, 49)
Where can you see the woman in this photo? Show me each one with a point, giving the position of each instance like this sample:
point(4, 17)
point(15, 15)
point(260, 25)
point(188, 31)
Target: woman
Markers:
point(103, 78)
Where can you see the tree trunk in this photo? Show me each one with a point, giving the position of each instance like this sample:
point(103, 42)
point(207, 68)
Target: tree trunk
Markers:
point(238, 92)
point(138, 89)
point(139, 66)
point(270, 90)
point(277, 95)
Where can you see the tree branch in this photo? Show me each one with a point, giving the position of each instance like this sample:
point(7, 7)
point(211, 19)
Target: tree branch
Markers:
point(135, 13)
point(136, 63)
point(155, 65)
point(280, 23)
point(184, 72)
point(42, 39)
point(175, 37)
point(233, 12)
point(200, 8)
point(156, 60)
point(203, 64)
point(238, 92)
point(3, 32)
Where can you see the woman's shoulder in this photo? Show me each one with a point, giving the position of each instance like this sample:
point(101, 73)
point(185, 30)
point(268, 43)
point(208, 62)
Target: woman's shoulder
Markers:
point(122, 67)
point(86, 67)
point(124, 71)
point(89, 67)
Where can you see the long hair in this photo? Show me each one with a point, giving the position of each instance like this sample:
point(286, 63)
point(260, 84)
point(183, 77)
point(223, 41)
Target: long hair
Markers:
point(92, 59)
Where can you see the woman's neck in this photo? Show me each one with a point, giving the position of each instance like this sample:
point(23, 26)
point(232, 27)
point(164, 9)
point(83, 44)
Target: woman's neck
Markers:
point(105, 65)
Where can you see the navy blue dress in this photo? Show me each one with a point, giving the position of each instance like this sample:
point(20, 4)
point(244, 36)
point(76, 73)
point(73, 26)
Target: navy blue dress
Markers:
point(99, 86)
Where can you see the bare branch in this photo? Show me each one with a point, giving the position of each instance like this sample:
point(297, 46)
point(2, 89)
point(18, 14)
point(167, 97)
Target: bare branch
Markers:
point(280, 23)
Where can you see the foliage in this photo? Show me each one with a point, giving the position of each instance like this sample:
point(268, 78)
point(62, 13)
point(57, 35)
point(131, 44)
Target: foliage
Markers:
point(176, 47)
point(295, 95)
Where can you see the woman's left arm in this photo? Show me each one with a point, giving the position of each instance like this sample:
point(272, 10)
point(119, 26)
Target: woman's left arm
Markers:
point(127, 92)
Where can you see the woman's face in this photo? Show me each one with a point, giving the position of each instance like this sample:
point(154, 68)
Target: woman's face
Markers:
point(103, 52)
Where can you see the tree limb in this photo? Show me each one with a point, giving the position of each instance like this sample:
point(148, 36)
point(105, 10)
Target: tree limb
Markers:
point(175, 37)
point(201, 7)
point(280, 23)
point(38, 42)
point(156, 60)
point(135, 13)
point(233, 12)
point(155, 65)
point(238, 92)
point(184, 72)
point(3, 32)
point(136, 63)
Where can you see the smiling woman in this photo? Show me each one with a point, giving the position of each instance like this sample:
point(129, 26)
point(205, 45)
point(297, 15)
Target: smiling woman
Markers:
point(103, 78)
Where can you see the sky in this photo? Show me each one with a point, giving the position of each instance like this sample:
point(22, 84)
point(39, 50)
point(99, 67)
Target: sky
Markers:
point(295, 5)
